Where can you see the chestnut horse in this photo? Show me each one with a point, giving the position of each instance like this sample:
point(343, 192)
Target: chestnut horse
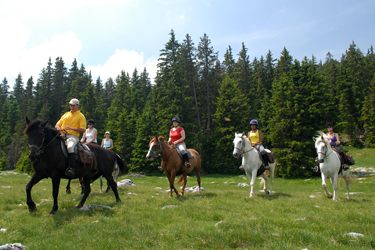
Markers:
point(172, 163)
point(48, 161)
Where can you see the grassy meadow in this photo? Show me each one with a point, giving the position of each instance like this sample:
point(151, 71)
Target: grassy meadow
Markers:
point(296, 216)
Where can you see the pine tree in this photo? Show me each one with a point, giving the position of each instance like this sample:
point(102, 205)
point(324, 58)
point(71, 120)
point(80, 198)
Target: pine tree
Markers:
point(230, 117)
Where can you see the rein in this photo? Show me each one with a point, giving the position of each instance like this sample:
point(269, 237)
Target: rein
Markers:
point(155, 152)
point(325, 154)
point(242, 149)
point(40, 150)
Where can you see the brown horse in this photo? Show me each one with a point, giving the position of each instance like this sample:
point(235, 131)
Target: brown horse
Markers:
point(172, 163)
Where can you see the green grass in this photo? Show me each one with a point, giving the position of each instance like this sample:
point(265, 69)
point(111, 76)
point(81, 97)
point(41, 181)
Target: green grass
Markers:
point(223, 217)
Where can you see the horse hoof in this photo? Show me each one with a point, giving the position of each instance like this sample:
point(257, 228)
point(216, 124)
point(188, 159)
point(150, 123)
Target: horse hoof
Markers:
point(267, 192)
point(32, 210)
point(79, 206)
point(68, 191)
point(170, 196)
point(53, 212)
point(118, 200)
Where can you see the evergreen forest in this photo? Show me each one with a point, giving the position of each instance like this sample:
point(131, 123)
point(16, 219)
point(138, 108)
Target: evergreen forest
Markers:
point(291, 100)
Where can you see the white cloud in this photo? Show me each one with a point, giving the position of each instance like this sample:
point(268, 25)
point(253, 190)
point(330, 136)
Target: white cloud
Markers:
point(126, 61)
point(17, 59)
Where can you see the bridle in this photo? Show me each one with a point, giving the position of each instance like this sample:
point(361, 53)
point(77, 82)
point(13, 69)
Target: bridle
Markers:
point(40, 149)
point(242, 149)
point(324, 153)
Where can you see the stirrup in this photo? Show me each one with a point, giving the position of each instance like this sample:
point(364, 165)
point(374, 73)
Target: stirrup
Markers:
point(241, 168)
point(70, 172)
point(187, 164)
point(266, 167)
point(160, 168)
point(345, 167)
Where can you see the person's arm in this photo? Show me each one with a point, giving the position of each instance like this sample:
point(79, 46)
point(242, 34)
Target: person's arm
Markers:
point(111, 143)
point(79, 130)
point(260, 138)
point(338, 142)
point(102, 143)
point(182, 137)
point(169, 140)
point(83, 137)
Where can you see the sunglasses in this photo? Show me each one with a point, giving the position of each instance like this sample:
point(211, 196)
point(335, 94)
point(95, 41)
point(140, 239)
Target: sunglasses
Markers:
point(90, 124)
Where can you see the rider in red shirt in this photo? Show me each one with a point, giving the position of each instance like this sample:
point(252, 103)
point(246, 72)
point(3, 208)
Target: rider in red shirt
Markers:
point(177, 137)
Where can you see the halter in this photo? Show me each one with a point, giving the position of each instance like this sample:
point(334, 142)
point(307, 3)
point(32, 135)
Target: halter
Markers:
point(155, 152)
point(242, 149)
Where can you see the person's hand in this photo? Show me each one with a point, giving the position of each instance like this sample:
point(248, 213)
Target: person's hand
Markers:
point(175, 142)
point(59, 128)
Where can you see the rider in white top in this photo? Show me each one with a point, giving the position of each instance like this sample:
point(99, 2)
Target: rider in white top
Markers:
point(90, 133)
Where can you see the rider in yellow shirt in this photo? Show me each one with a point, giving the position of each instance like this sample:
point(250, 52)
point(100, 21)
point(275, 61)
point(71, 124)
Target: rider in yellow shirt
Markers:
point(74, 122)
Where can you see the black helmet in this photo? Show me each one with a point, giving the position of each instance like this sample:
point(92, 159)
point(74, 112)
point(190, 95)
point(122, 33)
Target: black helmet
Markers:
point(329, 124)
point(176, 119)
point(90, 121)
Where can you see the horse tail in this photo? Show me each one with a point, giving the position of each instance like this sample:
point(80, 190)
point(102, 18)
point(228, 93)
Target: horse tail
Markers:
point(349, 178)
point(121, 164)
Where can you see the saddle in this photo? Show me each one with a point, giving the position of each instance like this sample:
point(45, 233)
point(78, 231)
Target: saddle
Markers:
point(82, 153)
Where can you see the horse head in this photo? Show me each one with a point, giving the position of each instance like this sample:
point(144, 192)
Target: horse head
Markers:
point(154, 147)
point(321, 145)
point(239, 144)
point(36, 136)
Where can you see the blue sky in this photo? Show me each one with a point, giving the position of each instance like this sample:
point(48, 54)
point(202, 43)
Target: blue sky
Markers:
point(108, 36)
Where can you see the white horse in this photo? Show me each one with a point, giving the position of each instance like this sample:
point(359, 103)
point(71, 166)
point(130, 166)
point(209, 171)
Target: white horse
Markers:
point(251, 161)
point(329, 164)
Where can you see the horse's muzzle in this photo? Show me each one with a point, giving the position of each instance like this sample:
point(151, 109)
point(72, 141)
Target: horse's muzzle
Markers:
point(236, 155)
point(150, 157)
point(33, 157)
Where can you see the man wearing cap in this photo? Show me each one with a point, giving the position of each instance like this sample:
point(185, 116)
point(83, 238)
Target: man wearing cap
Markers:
point(74, 122)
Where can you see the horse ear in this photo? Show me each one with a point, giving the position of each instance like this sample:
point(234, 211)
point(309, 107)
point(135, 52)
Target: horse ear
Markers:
point(27, 121)
point(314, 139)
point(150, 137)
point(43, 124)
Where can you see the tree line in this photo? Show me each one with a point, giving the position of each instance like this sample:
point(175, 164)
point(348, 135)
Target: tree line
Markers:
point(291, 99)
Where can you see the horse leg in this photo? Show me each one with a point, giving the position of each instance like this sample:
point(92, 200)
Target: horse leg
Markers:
point(324, 184)
point(68, 190)
point(198, 174)
point(265, 178)
point(81, 185)
point(101, 183)
point(113, 185)
point(183, 184)
point(34, 180)
point(334, 184)
point(272, 174)
point(55, 194)
point(171, 185)
point(86, 186)
point(252, 182)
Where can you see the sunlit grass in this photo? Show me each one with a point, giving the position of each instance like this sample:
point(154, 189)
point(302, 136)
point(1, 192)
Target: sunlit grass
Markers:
point(223, 217)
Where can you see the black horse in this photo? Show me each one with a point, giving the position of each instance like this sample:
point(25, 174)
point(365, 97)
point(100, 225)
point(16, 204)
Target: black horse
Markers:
point(48, 160)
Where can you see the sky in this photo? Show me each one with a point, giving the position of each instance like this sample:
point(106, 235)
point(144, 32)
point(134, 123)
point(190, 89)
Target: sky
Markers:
point(109, 36)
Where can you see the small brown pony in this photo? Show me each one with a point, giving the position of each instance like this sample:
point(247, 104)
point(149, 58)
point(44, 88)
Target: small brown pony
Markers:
point(171, 163)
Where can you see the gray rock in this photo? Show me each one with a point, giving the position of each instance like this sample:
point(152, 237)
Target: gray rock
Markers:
point(14, 246)
point(92, 206)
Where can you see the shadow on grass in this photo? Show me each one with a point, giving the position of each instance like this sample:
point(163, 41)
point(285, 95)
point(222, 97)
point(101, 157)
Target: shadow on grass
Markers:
point(274, 195)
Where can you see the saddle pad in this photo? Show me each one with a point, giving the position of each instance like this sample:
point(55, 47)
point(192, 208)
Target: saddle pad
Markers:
point(189, 154)
point(65, 151)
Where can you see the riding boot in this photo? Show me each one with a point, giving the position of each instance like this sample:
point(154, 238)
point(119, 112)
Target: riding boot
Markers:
point(186, 159)
point(266, 160)
point(70, 172)
point(343, 162)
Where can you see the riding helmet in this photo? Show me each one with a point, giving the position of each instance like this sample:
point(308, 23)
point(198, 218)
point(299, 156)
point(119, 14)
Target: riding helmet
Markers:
point(176, 119)
point(253, 121)
point(329, 124)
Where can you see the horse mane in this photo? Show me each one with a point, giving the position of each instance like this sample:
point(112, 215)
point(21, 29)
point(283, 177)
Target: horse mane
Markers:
point(36, 123)
point(319, 136)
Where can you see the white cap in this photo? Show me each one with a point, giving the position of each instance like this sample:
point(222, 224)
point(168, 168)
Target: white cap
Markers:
point(107, 132)
point(74, 101)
